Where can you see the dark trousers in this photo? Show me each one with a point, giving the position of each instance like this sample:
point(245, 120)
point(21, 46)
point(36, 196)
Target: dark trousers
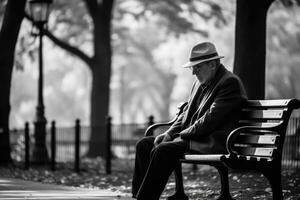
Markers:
point(154, 165)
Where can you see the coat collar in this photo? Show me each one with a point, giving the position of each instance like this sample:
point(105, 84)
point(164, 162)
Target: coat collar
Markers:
point(219, 73)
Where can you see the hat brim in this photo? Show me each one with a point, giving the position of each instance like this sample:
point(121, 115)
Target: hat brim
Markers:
point(190, 64)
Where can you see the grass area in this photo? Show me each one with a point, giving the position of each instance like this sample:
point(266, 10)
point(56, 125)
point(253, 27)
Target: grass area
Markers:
point(202, 183)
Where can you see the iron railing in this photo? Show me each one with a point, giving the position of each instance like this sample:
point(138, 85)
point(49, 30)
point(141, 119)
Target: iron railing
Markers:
point(121, 144)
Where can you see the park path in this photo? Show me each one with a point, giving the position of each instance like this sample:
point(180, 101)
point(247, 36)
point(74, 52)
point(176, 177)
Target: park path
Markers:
point(16, 189)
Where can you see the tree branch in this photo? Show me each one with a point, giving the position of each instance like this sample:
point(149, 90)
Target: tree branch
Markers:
point(201, 32)
point(174, 5)
point(73, 50)
point(92, 7)
point(149, 57)
point(64, 45)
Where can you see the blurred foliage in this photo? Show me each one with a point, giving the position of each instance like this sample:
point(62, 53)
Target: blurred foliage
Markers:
point(289, 3)
point(283, 52)
point(2, 7)
point(175, 16)
point(70, 22)
point(150, 41)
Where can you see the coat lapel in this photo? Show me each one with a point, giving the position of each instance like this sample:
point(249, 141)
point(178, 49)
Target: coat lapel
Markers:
point(193, 100)
point(221, 71)
point(196, 94)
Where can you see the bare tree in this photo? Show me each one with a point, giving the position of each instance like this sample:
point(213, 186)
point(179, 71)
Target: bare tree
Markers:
point(13, 17)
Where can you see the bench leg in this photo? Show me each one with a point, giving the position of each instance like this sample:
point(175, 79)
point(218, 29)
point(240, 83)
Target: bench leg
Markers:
point(225, 193)
point(274, 177)
point(179, 190)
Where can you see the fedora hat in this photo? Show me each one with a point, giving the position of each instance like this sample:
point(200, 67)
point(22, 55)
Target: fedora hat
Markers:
point(202, 52)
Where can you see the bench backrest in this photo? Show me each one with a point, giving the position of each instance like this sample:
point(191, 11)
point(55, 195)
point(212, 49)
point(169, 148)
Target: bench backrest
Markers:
point(263, 125)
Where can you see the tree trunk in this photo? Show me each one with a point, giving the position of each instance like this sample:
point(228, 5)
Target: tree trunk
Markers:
point(250, 45)
point(101, 71)
point(100, 66)
point(99, 110)
point(13, 17)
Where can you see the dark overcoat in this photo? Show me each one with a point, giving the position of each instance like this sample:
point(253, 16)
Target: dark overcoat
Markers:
point(211, 113)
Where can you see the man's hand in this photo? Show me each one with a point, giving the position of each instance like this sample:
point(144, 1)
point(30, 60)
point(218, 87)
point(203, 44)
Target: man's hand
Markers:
point(162, 138)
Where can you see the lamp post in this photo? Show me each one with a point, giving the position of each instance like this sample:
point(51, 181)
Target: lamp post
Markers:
point(39, 10)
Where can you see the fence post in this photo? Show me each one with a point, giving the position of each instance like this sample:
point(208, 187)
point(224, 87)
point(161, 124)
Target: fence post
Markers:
point(297, 138)
point(53, 145)
point(27, 150)
point(77, 146)
point(108, 145)
point(150, 120)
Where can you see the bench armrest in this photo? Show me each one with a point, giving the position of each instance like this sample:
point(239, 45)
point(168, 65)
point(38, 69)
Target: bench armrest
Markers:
point(294, 104)
point(151, 128)
point(236, 132)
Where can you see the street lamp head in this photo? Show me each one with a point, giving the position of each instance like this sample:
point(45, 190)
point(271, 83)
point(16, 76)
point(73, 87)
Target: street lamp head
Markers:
point(39, 10)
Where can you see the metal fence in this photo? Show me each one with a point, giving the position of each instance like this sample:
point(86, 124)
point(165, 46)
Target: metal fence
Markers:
point(123, 140)
point(291, 148)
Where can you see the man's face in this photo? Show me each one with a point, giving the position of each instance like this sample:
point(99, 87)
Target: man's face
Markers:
point(204, 71)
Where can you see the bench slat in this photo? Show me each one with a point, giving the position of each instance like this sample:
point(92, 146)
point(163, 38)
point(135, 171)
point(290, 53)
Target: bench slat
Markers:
point(256, 139)
point(263, 114)
point(207, 157)
point(257, 158)
point(252, 151)
point(267, 103)
point(259, 124)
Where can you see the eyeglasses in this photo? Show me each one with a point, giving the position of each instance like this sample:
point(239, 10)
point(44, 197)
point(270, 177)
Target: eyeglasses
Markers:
point(198, 66)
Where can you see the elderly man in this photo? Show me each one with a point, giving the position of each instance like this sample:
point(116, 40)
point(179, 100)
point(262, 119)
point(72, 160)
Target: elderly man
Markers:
point(212, 112)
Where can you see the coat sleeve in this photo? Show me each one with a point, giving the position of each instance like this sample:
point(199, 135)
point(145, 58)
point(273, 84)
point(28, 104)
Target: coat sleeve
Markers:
point(228, 100)
point(177, 125)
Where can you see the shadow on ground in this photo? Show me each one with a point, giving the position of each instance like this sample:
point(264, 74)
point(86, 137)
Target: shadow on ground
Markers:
point(202, 183)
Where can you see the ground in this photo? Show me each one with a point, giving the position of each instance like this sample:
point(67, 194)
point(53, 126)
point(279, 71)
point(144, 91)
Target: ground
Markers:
point(202, 183)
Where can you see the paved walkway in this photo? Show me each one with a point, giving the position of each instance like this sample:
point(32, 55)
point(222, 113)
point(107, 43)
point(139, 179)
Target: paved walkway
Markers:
point(15, 189)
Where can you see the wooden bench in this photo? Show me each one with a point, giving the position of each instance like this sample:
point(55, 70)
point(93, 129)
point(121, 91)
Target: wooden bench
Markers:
point(256, 144)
